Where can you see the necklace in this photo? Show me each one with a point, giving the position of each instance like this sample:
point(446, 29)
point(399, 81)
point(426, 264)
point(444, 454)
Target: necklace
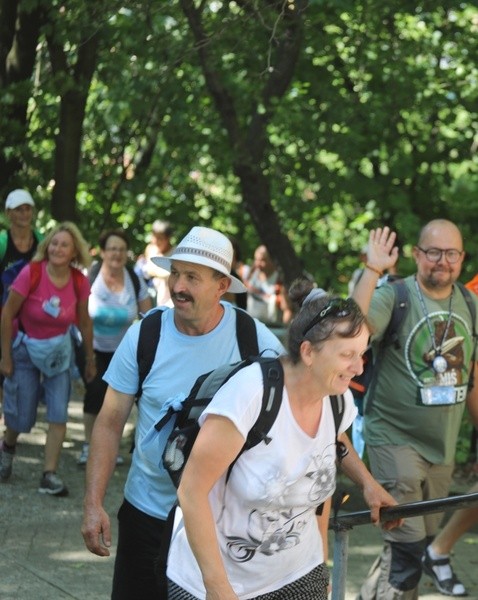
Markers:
point(439, 362)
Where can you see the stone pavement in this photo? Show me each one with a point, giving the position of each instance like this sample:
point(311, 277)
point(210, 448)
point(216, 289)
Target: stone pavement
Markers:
point(42, 555)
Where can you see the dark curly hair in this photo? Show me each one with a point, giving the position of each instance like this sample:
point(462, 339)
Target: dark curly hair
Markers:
point(105, 236)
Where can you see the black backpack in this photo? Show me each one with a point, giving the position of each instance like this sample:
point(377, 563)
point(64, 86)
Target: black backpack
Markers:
point(150, 332)
point(95, 269)
point(178, 427)
point(366, 381)
point(206, 385)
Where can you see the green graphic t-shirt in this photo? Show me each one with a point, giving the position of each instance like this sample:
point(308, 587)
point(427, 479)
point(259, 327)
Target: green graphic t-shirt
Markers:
point(412, 404)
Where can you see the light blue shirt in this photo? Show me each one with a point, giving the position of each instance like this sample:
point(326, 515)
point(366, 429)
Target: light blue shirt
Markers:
point(113, 312)
point(179, 361)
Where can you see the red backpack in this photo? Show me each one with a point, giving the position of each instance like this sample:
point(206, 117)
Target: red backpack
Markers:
point(11, 273)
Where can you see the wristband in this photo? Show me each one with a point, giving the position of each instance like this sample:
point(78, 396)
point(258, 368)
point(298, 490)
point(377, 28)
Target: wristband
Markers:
point(374, 269)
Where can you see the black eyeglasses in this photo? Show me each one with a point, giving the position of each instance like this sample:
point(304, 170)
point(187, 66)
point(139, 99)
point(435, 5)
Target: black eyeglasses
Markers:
point(117, 249)
point(337, 307)
point(435, 254)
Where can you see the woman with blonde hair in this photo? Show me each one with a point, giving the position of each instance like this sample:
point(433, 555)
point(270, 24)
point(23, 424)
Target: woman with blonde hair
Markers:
point(49, 295)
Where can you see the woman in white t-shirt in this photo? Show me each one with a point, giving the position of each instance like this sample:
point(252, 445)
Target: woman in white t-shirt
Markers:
point(118, 296)
point(258, 535)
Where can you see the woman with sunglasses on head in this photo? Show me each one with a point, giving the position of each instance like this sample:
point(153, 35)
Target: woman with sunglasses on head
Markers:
point(258, 536)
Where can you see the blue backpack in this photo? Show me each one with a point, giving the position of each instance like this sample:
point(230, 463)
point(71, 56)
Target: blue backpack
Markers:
point(9, 275)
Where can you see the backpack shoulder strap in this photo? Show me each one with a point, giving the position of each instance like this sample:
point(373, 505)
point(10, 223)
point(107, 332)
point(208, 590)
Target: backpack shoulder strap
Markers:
point(148, 340)
point(93, 271)
point(400, 308)
point(38, 235)
point(337, 404)
point(401, 305)
point(77, 280)
point(338, 408)
point(472, 308)
point(470, 304)
point(3, 243)
point(35, 275)
point(134, 279)
point(273, 381)
point(246, 334)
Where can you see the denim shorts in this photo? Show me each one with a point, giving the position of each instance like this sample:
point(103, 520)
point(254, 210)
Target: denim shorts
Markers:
point(23, 391)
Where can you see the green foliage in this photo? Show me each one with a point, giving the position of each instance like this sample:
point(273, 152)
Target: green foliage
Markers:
point(377, 126)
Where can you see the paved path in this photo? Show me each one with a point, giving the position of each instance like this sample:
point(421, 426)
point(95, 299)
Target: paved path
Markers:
point(42, 555)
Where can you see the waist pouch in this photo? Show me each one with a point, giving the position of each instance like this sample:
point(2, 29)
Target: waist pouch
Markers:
point(51, 356)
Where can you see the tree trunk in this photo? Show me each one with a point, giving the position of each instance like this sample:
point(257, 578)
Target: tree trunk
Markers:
point(67, 156)
point(250, 144)
point(256, 196)
point(72, 112)
point(19, 32)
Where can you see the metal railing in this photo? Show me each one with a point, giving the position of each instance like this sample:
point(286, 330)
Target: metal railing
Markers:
point(342, 524)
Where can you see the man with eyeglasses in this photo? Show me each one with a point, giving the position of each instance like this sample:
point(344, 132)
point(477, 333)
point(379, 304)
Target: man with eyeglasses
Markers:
point(413, 416)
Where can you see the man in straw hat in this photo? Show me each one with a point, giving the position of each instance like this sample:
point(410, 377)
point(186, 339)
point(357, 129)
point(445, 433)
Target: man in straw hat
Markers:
point(197, 335)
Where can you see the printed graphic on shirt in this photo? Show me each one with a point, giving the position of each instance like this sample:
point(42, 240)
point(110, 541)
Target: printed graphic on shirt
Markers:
point(110, 320)
point(277, 529)
point(437, 363)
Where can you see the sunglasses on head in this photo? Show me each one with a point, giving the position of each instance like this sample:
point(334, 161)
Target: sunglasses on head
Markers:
point(337, 307)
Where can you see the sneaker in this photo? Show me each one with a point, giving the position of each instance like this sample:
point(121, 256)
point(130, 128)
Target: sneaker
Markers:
point(85, 451)
point(442, 574)
point(51, 484)
point(83, 458)
point(6, 460)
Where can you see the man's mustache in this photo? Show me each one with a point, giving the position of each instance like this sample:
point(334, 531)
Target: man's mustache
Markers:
point(182, 297)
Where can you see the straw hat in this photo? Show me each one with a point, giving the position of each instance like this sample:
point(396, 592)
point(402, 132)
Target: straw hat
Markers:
point(208, 247)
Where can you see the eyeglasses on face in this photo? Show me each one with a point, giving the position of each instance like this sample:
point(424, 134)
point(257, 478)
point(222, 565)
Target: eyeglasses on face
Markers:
point(435, 254)
point(337, 307)
point(116, 249)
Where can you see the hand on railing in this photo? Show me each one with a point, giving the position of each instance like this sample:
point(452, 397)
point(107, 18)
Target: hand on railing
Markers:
point(403, 511)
